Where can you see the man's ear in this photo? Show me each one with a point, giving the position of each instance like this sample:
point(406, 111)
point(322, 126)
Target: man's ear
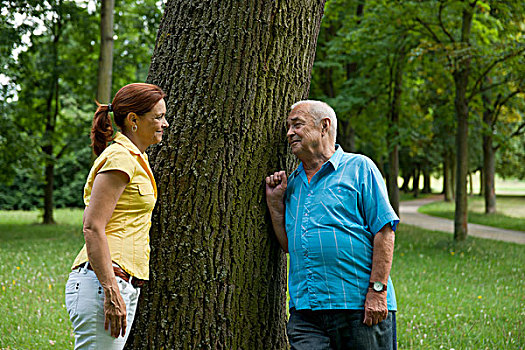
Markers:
point(325, 123)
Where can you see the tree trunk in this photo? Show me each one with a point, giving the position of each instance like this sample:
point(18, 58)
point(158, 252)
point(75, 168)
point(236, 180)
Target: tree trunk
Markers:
point(49, 176)
point(395, 109)
point(52, 110)
point(231, 73)
point(482, 183)
point(470, 184)
point(406, 181)
point(448, 183)
point(426, 181)
point(105, 60)
point(393, 188)
point(489, 169)
point(461, 76)
point(415, 183)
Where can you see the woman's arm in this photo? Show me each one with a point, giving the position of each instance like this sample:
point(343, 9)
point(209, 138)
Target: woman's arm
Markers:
point(107, 188)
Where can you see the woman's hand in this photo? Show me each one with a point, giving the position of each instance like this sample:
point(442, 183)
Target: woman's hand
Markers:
point(114, 312)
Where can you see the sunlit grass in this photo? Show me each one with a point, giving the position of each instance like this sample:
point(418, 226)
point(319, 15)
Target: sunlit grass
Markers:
point(34, 264)
point(464, 296)
point(467, 296)
point(510, 212)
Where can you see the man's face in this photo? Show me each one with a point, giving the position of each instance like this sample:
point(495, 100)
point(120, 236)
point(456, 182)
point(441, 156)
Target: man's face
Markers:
point(304, 136)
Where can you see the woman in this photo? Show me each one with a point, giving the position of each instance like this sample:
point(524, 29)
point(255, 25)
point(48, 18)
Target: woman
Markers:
point(120, 193)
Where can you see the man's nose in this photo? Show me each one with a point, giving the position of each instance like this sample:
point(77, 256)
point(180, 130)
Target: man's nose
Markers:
point(165, 124)
point(289, 132)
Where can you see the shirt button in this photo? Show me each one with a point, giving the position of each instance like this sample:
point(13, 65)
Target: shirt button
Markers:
point(306, 214)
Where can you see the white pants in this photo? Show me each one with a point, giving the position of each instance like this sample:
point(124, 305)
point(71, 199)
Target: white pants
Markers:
point(85, 305)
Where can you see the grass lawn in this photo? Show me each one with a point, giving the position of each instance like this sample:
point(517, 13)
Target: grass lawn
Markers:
point(34, 264)
point(468, 296)
point(510, 211)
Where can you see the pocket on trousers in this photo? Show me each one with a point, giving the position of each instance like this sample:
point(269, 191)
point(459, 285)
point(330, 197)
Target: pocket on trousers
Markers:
point(72, 291)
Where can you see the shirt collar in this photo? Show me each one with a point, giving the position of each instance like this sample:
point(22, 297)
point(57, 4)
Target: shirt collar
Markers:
point(335, 159)
point(123, 140)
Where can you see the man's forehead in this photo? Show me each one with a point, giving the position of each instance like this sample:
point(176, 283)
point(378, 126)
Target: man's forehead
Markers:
point(299, 112)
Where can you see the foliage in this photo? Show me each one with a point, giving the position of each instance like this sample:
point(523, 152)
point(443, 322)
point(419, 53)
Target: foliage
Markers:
point(356, 58)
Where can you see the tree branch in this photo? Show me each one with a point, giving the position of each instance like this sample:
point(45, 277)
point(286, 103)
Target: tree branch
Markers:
point(492, 65)
point(441, 6)
point(427, 27)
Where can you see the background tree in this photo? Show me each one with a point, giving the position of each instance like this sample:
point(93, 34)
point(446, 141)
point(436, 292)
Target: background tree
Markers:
point(231, 72)
point(105, 61)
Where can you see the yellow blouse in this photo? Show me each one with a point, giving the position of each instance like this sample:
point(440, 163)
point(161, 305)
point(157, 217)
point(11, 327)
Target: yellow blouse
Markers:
point(128, 229)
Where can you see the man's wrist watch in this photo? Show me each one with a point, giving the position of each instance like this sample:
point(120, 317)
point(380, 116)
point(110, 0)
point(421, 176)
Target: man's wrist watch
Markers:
point(377, 286)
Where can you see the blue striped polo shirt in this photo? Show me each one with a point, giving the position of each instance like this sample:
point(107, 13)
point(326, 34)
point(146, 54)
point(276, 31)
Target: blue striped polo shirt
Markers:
point(330, 224)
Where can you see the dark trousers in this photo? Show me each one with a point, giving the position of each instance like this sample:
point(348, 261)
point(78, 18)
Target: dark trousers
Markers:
point(339, 329)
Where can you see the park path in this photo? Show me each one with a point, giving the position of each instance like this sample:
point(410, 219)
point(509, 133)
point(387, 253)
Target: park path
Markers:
point(410, 215)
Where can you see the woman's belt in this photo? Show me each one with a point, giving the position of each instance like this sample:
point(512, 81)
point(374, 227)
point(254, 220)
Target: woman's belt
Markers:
point(119, 272)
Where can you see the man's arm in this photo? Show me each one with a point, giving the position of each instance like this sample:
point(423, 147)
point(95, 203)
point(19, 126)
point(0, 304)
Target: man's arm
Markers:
point(275, 189)
point(376, 309)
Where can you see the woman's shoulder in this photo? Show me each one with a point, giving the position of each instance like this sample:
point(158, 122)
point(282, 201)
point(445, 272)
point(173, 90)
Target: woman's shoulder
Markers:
point(116, 150)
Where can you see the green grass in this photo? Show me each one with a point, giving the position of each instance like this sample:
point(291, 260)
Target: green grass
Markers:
point(34, 264)
point(464, 296)
point(510, 212)
point(467, 296)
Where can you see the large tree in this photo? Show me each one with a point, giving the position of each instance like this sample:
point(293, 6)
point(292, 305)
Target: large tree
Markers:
point(231, 70)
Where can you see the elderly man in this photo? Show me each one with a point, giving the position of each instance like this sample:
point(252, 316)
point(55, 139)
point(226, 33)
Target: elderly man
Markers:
point(333, 217)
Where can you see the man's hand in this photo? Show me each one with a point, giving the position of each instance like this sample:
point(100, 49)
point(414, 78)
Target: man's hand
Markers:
point(275, 189)
point(376, 309)
point(115, 312)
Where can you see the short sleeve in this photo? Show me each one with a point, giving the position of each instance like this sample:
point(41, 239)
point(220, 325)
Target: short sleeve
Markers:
point(376, 206)
point(118, 160)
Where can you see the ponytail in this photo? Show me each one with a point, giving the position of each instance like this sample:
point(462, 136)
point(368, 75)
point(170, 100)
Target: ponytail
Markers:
point(102, 130)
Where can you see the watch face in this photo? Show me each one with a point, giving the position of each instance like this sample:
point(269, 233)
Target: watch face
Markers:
point(378, 286)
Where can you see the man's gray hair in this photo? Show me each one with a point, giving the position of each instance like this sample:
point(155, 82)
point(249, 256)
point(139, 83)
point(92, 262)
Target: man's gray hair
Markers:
point(319, 110)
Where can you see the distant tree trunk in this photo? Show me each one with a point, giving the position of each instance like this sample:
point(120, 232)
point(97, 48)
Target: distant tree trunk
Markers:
point(482, 183)
point(426, 180)
point(448, 183)
point(52, 110)
point(489, 170)
point(231, 74)
point(396, 84)
point(470, 184)
point(406, 181)
point(461, 76)
point(105, 59)
point(415, 183)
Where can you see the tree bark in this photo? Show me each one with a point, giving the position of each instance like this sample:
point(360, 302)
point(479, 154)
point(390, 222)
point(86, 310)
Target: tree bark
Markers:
point(489, 169)
point(395, 110)
point(231, 71)
point(426, 180)
point(461, 76)
point(52, 110)
point(105, 60)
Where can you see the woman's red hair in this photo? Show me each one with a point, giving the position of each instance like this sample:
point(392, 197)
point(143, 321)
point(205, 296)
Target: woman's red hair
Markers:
point(138, 98)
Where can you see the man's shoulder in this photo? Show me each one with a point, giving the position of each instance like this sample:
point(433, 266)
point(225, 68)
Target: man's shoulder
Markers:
point(355, 160)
